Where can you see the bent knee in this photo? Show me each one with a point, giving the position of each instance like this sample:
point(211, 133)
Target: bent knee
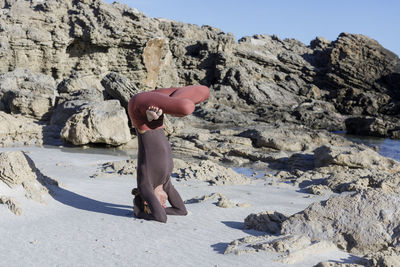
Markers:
point(205, 91)
point(161, 218)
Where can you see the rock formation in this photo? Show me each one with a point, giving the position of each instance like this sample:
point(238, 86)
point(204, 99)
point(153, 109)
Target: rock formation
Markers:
point(210, 172)
point(259, 78)
point(105, 123)
point(265, 221)
point(18, 170)
point(69, 68)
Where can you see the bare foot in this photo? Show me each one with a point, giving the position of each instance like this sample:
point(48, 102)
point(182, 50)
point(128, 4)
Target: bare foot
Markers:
point(153, 113)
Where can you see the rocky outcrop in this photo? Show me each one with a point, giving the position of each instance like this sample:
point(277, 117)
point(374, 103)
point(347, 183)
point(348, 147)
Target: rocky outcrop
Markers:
point(119, 87)
point(372, 126)
point(291, 249)
point(354, 156)
point(12, 204)
point(270, 222)
point(360, 222)
point(208, 171)
point(28, 94)
point(18, 170)
point(261, 78)
point(19, 130)
point(105, 122)
point(123, 167)
point(359, 68)
point(92, 51)
point(389, 257)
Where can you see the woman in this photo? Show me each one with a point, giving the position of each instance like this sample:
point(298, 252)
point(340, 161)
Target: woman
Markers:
point(146, 111)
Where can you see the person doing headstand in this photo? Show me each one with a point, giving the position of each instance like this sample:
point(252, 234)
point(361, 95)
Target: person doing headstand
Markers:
point(146, 111)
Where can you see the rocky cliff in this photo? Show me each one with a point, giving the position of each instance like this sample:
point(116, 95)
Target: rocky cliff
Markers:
point(68, 69)
point(351, 82)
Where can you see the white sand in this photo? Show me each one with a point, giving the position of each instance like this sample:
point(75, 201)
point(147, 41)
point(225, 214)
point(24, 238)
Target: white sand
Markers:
point(89, 221)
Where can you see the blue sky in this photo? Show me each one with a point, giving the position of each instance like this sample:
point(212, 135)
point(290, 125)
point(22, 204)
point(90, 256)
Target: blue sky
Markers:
point(302, 20)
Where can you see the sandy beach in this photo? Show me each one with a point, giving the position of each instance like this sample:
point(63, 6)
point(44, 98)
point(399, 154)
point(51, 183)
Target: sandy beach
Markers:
point(89, 221)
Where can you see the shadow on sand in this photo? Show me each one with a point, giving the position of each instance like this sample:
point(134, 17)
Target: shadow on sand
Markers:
point(78, 201)
point(84, 203)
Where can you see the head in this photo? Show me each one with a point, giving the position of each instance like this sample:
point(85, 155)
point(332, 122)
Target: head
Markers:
point(143, 206)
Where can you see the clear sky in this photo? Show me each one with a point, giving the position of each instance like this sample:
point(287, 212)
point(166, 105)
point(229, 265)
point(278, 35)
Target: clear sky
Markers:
point(299, 19)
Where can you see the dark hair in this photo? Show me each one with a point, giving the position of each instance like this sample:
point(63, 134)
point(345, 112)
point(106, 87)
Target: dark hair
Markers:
point(138, 201)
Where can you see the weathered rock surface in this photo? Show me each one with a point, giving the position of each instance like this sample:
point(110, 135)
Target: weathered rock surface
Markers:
point(19, 130)
point(26, 93)
point(210, 172)
point(265, 221)
point(285, 137)
point(12, 204)
point(105, 122)
point(371, 126)
point(386, 258)
point(363, 85)
point(360, 222)
point(18, 170)
point(291, 249)
point(260, 78)
point(354, 156)
point(119, 87)
point(339, 264)
point(123, 167)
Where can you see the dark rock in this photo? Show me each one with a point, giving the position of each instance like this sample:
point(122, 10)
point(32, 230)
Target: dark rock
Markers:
point(372, 126)
point(119, 87)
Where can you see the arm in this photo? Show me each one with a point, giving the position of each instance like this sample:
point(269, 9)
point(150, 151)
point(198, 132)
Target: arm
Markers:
point(178, 207)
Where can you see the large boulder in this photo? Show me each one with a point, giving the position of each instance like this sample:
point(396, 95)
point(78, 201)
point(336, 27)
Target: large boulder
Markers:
point(265, 221)
point(360, 222)
point(104, 122)
point(78, 82)
point(65, 110)
point(75, 92)
point(354, 156)
point(372, 126)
